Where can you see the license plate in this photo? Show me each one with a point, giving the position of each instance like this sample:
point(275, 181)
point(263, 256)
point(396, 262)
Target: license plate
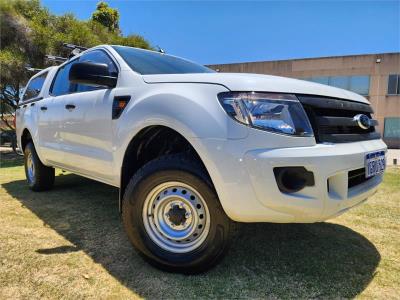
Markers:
point(375, 163)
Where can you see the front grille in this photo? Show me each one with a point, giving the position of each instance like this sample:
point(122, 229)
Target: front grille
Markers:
point(332, 119)
point(357, 177)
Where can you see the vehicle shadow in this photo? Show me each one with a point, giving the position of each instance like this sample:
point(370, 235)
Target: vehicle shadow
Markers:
point(321, 260)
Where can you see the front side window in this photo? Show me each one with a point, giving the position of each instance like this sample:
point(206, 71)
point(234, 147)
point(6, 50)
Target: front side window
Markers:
point(61, 84)
point(394, 84)
point(150, 62)
point(97, 56)
point(34, 87)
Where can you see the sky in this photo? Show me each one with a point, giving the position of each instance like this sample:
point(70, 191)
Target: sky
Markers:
point(214, 32)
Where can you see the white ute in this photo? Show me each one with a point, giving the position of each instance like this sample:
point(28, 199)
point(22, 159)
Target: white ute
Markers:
point(194, 151)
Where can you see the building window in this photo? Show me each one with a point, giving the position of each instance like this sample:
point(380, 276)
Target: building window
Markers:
point(321, 80)
point(341, 82)
point(392, 128)
point(357, 84)
point(394, 84)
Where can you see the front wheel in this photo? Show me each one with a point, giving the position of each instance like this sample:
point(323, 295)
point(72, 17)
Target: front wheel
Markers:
point(172, 215)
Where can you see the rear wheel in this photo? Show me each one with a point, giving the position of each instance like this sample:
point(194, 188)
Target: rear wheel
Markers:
point(39, 176)
point(172, 215)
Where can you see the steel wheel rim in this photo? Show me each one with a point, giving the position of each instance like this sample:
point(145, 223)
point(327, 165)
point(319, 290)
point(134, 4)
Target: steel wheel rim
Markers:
point(30, 168)
point(176, 217)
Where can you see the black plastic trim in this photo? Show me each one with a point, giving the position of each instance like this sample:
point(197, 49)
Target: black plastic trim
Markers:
point(349, 137)
point(357, 177)
point(332, 119)
point(116, 110)
point(293, 179)
point(340, 121)
point(332, 103)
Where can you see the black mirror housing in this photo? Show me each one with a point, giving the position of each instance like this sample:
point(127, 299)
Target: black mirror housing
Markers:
point(90, 73)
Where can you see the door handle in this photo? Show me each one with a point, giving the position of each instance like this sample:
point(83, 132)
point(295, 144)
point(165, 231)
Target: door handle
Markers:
point(43, 108)
point(70, 106)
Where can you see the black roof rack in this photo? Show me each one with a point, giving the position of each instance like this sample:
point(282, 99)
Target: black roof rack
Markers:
point(30, 69)
point(75, 49)
point(56, 58)
point(73, 46)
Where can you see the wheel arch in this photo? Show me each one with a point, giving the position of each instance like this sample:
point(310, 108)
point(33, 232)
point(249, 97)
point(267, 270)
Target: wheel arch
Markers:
point(26, 136)
point(152, 142)
point(29, 135)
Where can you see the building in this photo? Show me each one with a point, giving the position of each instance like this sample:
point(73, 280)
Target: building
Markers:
point(375, 76)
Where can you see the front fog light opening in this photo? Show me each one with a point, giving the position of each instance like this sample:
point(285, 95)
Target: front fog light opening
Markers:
point(293, 179)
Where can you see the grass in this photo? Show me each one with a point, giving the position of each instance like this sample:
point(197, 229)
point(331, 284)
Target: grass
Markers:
point(69, 243)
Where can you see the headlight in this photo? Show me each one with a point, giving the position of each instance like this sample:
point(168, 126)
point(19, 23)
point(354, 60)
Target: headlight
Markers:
point(281, 113)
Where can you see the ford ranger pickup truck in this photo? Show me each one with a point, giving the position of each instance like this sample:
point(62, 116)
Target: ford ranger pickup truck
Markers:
point(194, 151)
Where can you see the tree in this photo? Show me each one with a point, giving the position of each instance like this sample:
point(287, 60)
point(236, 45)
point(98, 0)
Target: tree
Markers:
point(29, 31)
point(106, 16)
point(17, 49)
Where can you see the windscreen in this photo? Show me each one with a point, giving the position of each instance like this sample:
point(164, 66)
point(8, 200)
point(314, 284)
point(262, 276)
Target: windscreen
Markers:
point(150, 62)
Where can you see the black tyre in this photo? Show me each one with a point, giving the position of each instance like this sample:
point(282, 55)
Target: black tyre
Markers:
point(39, 176)
point(173, 217)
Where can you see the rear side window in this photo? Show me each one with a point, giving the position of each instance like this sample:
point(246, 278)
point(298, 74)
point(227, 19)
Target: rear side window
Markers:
point(61, 84)
point(34, 87)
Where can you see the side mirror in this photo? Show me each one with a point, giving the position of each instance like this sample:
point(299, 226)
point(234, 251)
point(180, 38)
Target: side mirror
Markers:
point(94, 74)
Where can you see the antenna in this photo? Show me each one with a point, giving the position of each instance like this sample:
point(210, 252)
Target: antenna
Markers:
point(160, 49)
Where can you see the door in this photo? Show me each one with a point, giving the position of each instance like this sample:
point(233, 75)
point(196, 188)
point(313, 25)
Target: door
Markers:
point(50, 114)
point(87, 125)
point(36, 110)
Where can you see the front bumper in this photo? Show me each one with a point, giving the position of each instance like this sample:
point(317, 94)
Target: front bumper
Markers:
point(248, 190)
